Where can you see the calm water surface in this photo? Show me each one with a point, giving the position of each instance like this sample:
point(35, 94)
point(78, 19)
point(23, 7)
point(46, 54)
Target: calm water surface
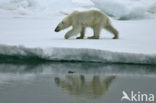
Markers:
point(74, 82)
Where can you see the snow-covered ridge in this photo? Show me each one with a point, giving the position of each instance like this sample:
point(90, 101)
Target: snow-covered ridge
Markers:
point(73, 54)
point(119, 9)
point(127, 9)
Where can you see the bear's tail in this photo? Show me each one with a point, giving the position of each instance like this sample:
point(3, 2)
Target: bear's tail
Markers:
point(111, 29)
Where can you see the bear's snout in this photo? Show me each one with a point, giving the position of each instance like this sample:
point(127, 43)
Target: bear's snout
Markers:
point(57, 29)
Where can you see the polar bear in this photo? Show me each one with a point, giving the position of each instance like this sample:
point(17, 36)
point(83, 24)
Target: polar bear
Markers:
point(80, 20)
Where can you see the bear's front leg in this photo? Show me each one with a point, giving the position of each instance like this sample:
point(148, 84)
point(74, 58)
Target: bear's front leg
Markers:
point(82, 34)
point(71, 33)
point(93, 37)
point(68, 34)
point(96, 35)
point(80, 37)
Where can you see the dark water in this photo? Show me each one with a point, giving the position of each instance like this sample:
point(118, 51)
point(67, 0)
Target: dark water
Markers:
point(75, 82)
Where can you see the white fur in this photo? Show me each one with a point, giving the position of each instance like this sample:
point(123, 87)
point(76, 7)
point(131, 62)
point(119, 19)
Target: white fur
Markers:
point(80, 20)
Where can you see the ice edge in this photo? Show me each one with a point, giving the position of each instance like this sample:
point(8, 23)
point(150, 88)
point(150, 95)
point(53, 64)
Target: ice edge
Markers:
point(23, 54)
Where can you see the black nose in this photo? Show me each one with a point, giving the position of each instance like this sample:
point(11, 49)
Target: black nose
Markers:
point(57, 29)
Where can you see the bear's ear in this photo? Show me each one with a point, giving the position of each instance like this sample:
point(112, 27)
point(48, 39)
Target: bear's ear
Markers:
point(64, 13)
point(62, 22)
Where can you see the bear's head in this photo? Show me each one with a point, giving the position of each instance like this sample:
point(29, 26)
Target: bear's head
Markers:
point(65, 23)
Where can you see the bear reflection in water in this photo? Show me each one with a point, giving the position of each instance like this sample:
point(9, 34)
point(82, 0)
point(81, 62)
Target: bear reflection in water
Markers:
point(78, 85)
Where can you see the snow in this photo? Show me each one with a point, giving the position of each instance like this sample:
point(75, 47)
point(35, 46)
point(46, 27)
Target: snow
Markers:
point(119, 9)
point(28, 30)
point(127, 9)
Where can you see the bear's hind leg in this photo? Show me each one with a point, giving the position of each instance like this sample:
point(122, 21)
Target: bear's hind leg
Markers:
point(82, 34)
point(111, 29)
point(97, 31)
